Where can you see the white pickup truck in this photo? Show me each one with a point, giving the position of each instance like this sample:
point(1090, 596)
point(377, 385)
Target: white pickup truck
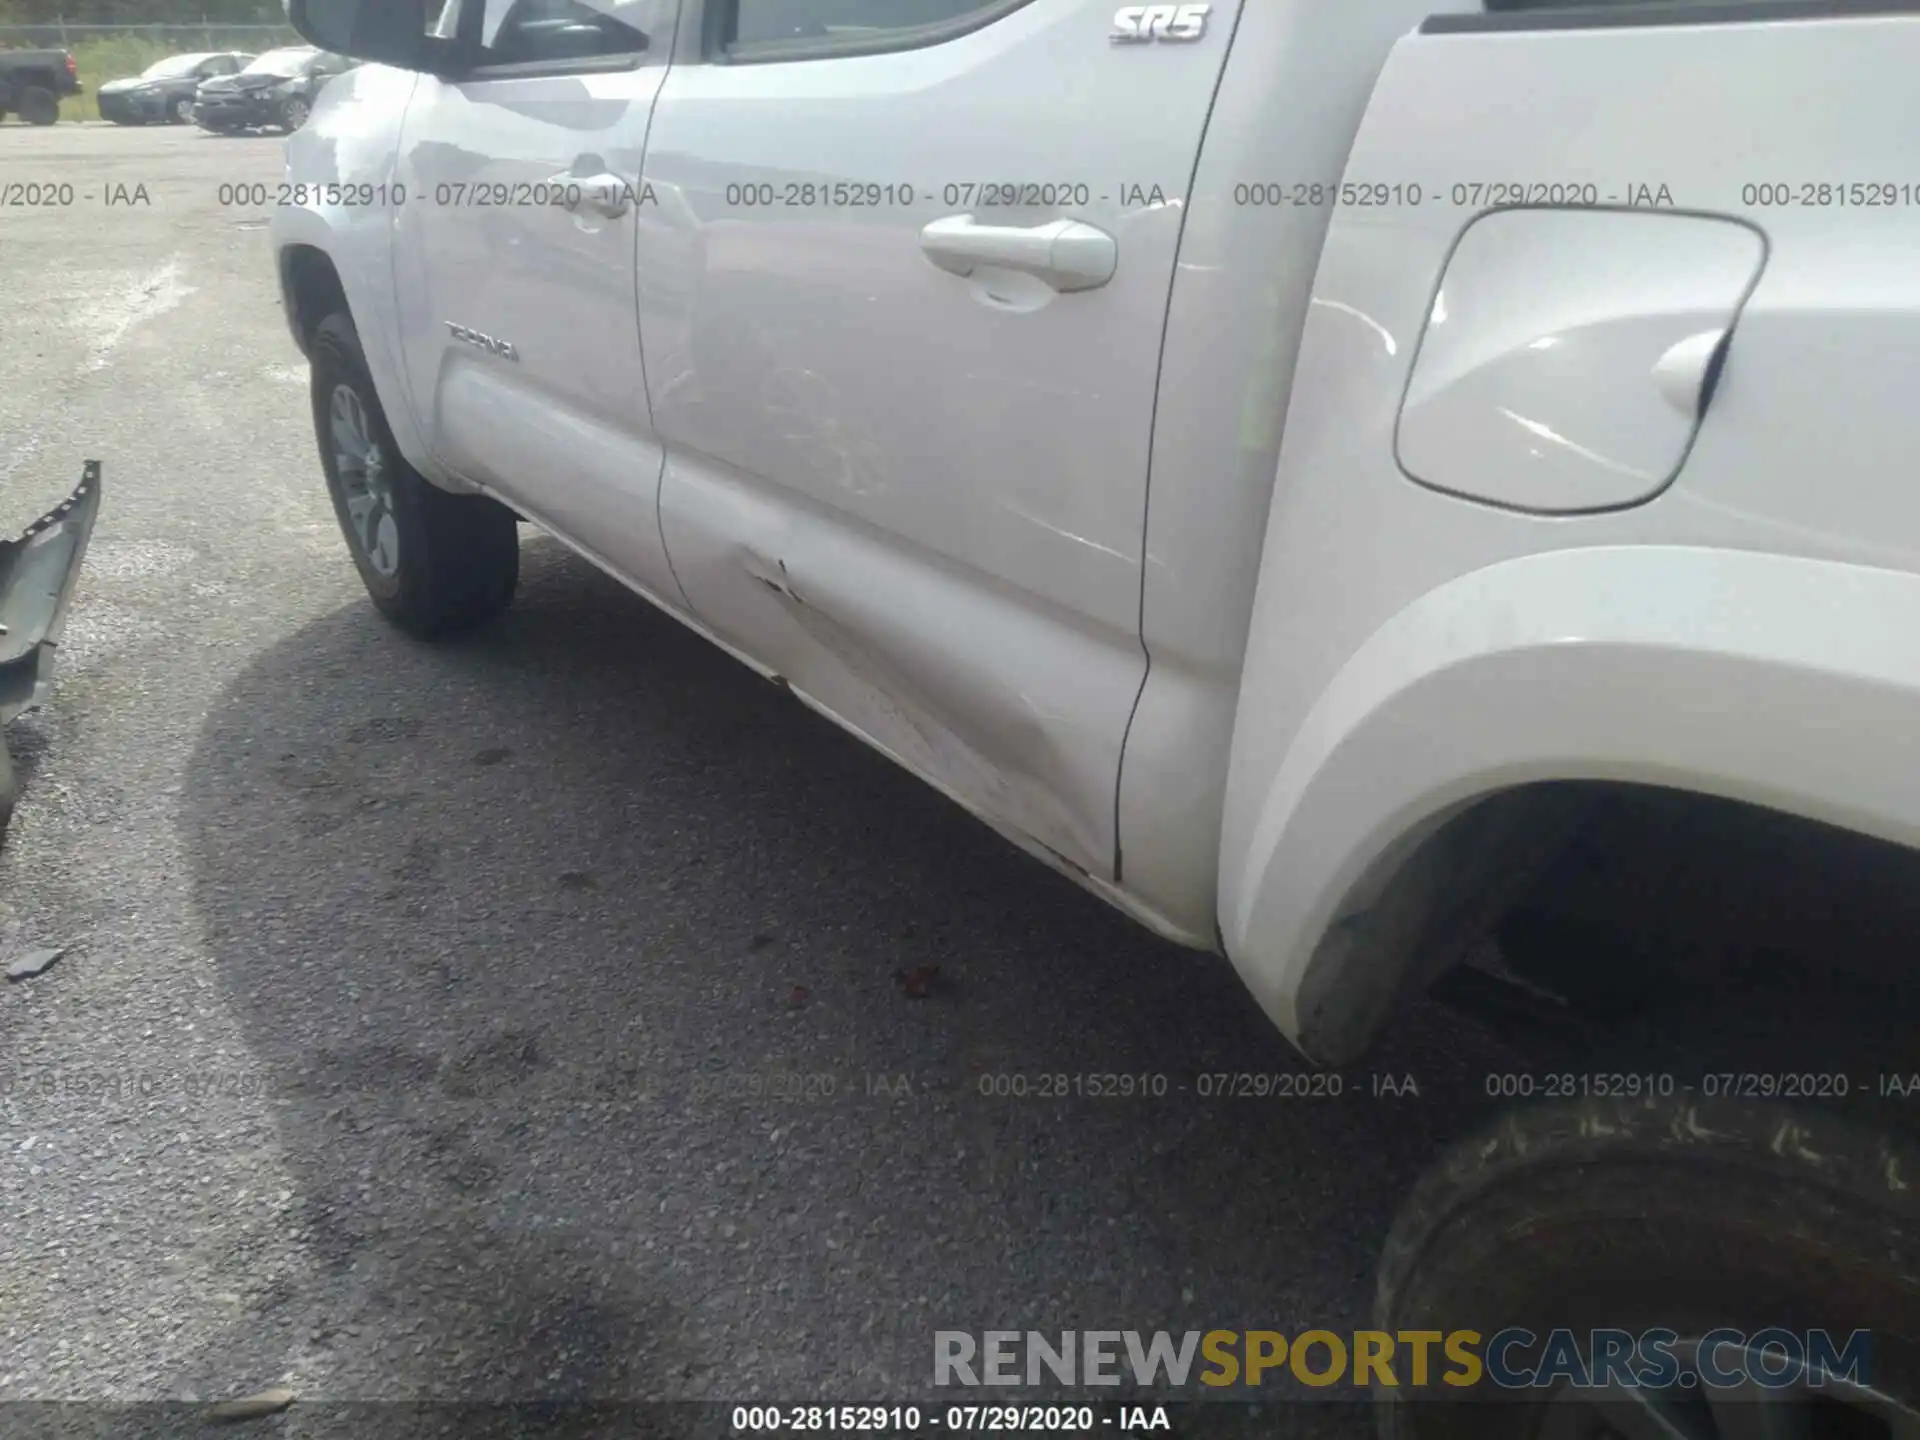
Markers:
point(1302, 468)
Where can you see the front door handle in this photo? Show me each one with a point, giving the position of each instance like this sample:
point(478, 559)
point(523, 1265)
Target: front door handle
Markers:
point(1066, 254)
point(604, 194)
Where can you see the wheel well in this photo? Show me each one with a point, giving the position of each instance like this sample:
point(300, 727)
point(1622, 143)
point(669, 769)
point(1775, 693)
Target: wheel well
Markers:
point(1615, 903)
point(312, 289)
point(1705, 887)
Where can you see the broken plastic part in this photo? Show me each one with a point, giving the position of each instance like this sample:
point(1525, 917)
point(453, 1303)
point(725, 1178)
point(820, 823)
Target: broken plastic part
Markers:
point(38, 571)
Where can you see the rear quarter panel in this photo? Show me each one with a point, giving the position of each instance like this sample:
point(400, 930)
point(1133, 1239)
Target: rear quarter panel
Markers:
point(1739, 633)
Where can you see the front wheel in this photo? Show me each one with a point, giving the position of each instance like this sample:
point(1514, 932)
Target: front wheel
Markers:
point(1719, 1236)
point(433, 562)
point(294, 114)
point(183, 112)
point(39, 106)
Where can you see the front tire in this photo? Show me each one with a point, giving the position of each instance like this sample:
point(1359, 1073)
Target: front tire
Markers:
point(38, 106)
point(434, 563)
point(294, 114)
point(182, 112)
point(1678, 1213)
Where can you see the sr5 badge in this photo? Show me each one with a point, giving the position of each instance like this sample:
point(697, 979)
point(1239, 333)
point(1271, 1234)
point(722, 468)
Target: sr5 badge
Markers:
point(1144, 24)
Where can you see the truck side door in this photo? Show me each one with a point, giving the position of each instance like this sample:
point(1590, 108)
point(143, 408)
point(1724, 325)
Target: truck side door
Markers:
point(514, 267)
point(902, 298)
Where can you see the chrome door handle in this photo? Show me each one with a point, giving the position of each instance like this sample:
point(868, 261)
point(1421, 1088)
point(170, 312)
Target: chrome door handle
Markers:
point(604, 194)
point(1067, 254)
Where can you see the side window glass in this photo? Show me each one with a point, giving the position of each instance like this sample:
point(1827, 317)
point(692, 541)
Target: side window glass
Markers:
point(770, 22)
point(523, 32)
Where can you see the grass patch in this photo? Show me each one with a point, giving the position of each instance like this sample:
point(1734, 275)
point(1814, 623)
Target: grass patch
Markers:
point(110, 57)
point(102, 58)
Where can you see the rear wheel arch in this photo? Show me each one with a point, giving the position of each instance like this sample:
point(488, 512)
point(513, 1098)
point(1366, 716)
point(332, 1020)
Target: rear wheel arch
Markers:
point(1677, 668)
point(1628, 900)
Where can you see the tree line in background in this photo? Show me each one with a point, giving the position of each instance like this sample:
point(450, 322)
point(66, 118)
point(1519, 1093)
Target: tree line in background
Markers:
point(142, 12)
point(112, 39)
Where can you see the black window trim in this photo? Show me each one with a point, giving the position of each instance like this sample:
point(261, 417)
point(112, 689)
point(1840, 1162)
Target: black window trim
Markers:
point(1510, 15)
point(534, 69)
point(887, 42)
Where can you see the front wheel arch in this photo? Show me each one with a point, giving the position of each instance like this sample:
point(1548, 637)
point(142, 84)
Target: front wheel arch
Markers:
point(310, 287)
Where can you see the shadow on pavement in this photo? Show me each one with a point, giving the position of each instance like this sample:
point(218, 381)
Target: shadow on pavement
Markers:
point(516, 926)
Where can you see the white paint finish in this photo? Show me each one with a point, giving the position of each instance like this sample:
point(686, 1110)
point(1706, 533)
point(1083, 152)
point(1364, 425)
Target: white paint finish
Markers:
point(1684, 371)
point(983, 439)
point(1801, 457)
point(1557, 346)
point(917, 495)
point(1239, 302)
point(1005, 707)
point(352, 138)
point(1642, 662)
point(562, 429)
point(1064, 255)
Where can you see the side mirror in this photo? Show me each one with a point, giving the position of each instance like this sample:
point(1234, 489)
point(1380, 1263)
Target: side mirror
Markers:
point(391, 32)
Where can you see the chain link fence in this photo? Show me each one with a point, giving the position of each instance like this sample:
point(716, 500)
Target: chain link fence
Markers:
point(207, 35)
point(112, 52)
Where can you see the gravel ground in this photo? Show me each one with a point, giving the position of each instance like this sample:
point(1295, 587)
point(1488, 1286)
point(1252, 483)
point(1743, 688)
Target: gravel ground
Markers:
point(429, 1026)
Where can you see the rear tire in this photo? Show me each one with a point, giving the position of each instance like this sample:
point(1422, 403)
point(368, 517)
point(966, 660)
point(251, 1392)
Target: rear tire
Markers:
point(38, 106)
point(1681, 1213)
point(434, 563)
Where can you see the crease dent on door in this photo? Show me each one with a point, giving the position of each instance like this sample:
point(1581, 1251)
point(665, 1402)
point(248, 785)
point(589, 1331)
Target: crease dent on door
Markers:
point(931, 401)
point(953, 713)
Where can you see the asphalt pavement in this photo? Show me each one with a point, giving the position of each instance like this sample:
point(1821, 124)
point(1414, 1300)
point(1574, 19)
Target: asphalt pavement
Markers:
point(520, 1018)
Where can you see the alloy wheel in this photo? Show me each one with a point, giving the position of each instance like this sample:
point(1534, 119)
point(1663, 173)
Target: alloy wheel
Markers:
point(364, 481)
point(1791, 1405)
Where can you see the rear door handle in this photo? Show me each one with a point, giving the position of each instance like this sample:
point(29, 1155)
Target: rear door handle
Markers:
point(1066, 254)
point(604, 194)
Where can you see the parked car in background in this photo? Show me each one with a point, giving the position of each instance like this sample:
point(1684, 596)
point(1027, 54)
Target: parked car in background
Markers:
point(163, 92)
point(32, 83)
point(276, 91)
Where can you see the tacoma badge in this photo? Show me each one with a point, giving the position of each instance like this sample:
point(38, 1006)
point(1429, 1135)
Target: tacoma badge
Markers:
point(503, 348)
